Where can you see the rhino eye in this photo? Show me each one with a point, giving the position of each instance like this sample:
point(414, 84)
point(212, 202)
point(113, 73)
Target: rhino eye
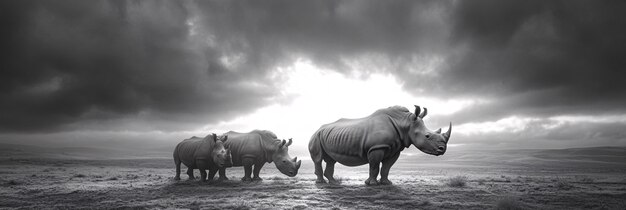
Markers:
point(427, 136)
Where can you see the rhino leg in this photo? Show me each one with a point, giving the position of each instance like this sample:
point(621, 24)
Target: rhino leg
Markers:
point(247, 167)
point(177, 162)
point(202, 166)
point(257, 169)
point(374, 157)
point(319, 172)
point(212, 172)
point(330, 170)
point(222, 175)
point(190, 173)
point(384, 170)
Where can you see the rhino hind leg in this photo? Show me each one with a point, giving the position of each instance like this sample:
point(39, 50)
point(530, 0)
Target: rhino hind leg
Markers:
point(384, 170)
point(247, 167)
point(374, 157)
point(190, 173)
point(330, 171)
point(177, 162)
point(257, 169)
point(319, 172)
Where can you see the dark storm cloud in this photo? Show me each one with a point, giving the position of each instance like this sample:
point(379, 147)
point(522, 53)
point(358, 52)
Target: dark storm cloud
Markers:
point(73, 62)
point(539, 57)
point(161, 63)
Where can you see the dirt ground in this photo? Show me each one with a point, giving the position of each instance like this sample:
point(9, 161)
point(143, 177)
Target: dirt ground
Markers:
point(148, 183)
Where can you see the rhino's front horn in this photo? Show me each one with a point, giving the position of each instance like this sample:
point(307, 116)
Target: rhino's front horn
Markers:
point(447, 134)
point(298, 164)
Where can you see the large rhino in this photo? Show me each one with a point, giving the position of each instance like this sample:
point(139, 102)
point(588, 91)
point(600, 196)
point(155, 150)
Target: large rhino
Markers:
point(257, 148)
point(202, 154)
point(377, 138)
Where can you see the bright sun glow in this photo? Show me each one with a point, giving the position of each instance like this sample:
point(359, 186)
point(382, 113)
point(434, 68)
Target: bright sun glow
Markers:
point(324, 96)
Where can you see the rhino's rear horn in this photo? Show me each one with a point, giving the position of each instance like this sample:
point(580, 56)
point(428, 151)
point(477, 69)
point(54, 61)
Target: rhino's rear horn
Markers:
point(447, 134)
point(438, 131)
point(294, 159)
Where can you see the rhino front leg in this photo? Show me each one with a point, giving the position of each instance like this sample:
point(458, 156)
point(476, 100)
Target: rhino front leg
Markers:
point(202, 167)
point(222, 175)
point(384, 170)
point(190, 173)
point(319, 172)
point(330, 171)
point(247, 167)
point(257, 169)
point(212, 172)
point(374, 157)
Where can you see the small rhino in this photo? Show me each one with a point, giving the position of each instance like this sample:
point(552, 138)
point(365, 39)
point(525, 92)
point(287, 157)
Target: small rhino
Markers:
point(257, 148)
point(202, 154)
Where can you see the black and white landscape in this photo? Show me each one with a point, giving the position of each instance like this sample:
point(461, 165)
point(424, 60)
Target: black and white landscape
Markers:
point(95, 96)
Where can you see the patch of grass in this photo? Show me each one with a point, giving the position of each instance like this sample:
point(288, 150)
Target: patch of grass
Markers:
point(509, 203)
point(481, 181)
point(587, 179)
point(14, 182)
point(457, 181)
point(563, 184)
point(80, 175)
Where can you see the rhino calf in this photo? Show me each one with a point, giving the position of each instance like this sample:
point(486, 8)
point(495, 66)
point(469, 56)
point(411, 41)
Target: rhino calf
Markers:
point(377, 138)
point(257, 148)
point(207, 153)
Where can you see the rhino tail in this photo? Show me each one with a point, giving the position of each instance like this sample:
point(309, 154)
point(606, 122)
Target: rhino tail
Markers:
point(315, 148)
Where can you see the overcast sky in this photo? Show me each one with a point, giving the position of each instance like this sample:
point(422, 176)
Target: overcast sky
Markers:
point(507, 74)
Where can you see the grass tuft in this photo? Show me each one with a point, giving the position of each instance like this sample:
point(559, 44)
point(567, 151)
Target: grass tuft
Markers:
point(509, 203)
point(457, 181)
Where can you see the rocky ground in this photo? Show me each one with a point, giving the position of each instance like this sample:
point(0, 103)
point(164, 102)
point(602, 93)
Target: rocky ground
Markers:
point(36, 183)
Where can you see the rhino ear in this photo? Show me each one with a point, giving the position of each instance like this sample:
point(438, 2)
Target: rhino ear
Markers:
point(289, 142)
point(417, 111)
point(282, 143)
point(224, 138)
point(214, 137)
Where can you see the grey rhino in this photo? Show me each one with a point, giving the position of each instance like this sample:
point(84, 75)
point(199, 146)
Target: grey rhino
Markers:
point(377, 138)
point(202, 154)
point(257, 148)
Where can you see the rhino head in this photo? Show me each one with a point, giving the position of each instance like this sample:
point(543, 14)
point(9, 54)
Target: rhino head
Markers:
point(429, 142)
point(283, 161)
point(221, 154)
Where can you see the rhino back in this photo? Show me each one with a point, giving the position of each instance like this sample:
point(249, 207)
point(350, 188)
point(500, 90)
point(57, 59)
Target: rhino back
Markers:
point(245, 145)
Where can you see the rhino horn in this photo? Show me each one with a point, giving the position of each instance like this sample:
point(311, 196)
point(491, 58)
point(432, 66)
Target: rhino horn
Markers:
point(417, 111)
point(298, 164)
point(447, 134)
point(438, 131)
point(294, 159)
point(423, 114)
point(289, 143)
